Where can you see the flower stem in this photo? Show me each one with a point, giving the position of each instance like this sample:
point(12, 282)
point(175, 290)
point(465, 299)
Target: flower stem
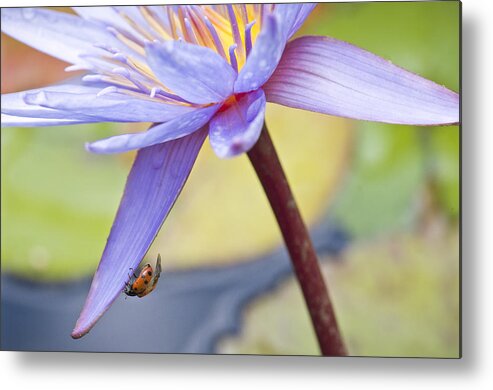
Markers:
point(266, 163)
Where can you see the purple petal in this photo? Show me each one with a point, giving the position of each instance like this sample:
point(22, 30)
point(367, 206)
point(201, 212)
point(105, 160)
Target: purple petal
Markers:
point(112, 107)
point(263, 57)
point(176, 128)
point(18, 121)
point(195, 73)
point(236, 129)
point(155, 181)
point(108, 16)
point(58, 34)
point(292, 16)
point(116, 19)
point(333, 77)
point(135, 14)
point(17, 111)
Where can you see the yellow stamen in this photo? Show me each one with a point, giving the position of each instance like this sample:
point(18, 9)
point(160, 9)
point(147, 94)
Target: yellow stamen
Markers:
point(131, 44)
point(154, 24)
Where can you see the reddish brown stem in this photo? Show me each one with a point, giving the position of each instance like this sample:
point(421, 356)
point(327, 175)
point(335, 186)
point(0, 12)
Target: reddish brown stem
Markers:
point(303, 256)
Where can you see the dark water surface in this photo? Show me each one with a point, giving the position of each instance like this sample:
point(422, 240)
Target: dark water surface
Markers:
point(188, 312)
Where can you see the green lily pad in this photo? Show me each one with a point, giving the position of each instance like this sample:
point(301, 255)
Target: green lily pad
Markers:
point(420, 36)
point(384, 180)
point(395, 296)
point(444, 145)
point(393, 164)
point(57, 200)
point(223, 215)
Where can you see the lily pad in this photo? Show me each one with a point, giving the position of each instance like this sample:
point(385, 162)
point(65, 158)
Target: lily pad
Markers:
point(444, 151)
point(393, 164)
point(223, 215)
point(386, 175)
point(396, 296)
point(57, 201)
point(422, 36)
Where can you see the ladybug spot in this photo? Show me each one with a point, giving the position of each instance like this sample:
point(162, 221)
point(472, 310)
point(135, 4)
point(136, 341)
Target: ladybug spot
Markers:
point(149, 273)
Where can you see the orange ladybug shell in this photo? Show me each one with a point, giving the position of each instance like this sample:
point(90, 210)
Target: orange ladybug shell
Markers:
point(152, 285)
point(144, 283)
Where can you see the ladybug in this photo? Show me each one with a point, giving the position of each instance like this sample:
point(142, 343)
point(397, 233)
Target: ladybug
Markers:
point(152, 285)
point(145, 282)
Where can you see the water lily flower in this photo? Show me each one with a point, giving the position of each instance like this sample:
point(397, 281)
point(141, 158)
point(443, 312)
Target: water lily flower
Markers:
point(196, 72)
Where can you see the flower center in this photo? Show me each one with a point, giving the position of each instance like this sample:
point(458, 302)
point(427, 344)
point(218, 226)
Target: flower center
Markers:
point(229, 30)
point(231, 101)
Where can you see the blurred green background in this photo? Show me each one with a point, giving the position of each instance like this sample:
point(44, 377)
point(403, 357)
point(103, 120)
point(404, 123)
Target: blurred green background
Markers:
point(395, 189)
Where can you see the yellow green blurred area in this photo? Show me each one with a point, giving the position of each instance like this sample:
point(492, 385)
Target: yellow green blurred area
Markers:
point(394, 189)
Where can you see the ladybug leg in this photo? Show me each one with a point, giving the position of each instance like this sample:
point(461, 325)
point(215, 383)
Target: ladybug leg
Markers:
point(130, 275)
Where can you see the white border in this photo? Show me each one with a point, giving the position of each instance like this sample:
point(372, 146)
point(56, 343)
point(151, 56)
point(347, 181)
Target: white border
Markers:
point(90, 371)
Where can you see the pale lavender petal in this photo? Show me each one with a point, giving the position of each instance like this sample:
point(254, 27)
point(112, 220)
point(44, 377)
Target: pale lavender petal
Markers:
point(111, 107)
point(134, 13)
point(155, 181)
point(293, 15)
point(108, 16)
point(176, 128)
point(263, 57)
point(14, 106)
point(236, 129)
point(195, 73)
point(58, 34)
point(19, 121)
point(326, 75)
